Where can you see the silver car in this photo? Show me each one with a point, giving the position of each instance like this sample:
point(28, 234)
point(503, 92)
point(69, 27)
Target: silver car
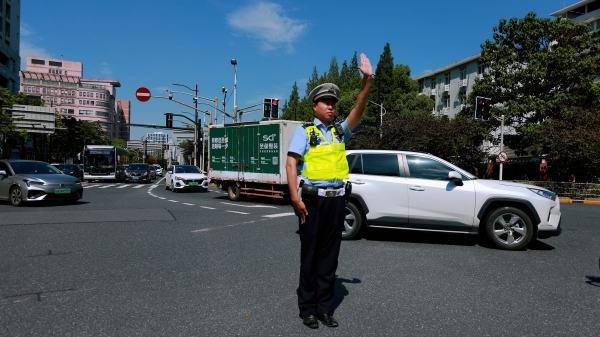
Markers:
point(29, 180)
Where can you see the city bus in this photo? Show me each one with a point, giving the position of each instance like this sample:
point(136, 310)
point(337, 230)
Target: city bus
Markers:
point(104, 162)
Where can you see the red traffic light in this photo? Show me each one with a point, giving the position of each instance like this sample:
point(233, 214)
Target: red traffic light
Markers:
point(275, 101)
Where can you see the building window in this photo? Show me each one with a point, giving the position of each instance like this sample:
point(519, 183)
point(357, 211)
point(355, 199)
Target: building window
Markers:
point(446, 101)
point(463, 72)
point(480, 68)
point(54, 64)
point(36, 61)
point(432, 83)
point(447, 78)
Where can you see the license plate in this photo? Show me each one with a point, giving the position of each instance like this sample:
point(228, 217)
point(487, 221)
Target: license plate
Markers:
point(62, 191)
point(192, 183)
point(135, 178)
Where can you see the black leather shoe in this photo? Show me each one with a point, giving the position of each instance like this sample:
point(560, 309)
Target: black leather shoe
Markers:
point(310, 321)
point(328, 320)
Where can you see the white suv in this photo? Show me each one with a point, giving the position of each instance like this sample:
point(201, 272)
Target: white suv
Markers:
point(418, 191)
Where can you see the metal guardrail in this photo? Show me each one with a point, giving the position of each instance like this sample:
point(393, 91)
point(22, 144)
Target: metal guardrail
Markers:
point(576, 191)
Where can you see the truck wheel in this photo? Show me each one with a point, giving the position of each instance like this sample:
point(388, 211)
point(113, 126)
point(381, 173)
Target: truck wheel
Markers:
point(352, 223)
point(234, 192)
point(509, 228)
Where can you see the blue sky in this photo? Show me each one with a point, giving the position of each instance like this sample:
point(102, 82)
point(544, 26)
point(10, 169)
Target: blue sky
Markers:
point(154, 43)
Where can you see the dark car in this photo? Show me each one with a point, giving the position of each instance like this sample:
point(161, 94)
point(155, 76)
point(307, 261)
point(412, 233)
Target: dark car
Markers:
point(70, 169)
point(138, 172)
point(29, 180)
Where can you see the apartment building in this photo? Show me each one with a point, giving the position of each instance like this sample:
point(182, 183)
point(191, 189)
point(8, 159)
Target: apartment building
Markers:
point(60, 84)
point(449, 86)
point(583, 11)
point(10, 25)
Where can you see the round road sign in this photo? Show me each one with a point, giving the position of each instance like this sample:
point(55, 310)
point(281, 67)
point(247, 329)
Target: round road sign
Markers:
point(502, 157)
point(142, 94)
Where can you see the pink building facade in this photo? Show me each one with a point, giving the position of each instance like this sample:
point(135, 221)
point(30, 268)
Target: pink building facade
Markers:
point(60, 84)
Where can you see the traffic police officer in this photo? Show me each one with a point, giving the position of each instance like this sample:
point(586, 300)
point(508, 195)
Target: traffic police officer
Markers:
point(318, 148)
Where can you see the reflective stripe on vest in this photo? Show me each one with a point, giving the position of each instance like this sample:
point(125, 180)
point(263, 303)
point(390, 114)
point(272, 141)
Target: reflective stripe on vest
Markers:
point(326, 161)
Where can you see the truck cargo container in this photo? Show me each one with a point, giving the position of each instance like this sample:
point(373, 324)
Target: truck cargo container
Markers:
point(250, 158)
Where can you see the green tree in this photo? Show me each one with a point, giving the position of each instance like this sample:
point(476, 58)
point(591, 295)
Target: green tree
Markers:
point(572, 144)
point(187, 149)
point(291, 105)
point(537, 68)
point(9, 136)
point(72, 135)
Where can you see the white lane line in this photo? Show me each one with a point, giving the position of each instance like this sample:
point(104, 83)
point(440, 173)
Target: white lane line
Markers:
point(173, 201)
point(207, 207)
point(138, 186)
point(185, 203)
point(122, 186)
point(237, 212)
point(278, 215)
point(107, 186)
point(90, 186)
point(162, 198)
point(249, 206)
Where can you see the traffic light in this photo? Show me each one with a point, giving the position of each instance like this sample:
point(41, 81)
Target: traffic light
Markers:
point(479, 105)
point(267, 108)
point(274, 108)
point(169, 120)
point(486, 109)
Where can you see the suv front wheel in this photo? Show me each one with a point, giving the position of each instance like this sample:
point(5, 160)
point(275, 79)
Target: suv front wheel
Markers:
point(509, 228)
point(352, 222)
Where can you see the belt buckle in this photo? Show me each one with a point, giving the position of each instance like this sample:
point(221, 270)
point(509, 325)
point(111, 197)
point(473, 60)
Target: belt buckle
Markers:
point(330, 193)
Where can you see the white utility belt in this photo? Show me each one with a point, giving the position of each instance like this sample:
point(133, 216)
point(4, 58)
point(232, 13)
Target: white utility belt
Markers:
point(331, 193)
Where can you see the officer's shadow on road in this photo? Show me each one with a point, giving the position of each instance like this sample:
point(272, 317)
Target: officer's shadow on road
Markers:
point(593, 280)
point(341, 291)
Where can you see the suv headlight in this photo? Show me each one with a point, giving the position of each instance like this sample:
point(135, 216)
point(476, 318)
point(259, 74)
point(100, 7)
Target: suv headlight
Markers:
point(543, 193)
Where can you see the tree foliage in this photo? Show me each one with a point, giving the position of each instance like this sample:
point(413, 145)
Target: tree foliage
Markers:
point(187, 149)
point(72, 134)
point(537, 69)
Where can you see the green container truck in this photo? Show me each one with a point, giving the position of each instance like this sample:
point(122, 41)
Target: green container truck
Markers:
point(250, 158)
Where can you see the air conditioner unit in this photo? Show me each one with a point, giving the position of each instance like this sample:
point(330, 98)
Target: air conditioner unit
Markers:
point(433, 92)
point(447, 87)
point(462, 83)
point(445, 111)
point(460, 107)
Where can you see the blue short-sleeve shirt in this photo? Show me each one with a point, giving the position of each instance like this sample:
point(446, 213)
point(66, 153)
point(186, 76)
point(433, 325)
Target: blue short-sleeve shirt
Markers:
point(300, 145)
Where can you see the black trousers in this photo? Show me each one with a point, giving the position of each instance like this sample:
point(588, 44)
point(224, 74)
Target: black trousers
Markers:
point(320, 237)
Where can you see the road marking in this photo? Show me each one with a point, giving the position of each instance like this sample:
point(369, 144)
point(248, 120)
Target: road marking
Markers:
point(249, 206)
point(185, 203)
point(162, 198)
point(173, 201)
point(207, 207)
point(107, 186)
point(237, 212)
point(90, 186)
point(122, 186)
point(138, 186)
point(278, 215)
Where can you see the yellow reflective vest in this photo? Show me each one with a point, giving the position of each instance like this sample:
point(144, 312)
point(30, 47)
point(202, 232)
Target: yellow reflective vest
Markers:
point(326, 161)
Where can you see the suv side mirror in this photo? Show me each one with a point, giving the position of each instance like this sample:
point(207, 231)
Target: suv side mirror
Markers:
point(455, 177)
point(3, 173)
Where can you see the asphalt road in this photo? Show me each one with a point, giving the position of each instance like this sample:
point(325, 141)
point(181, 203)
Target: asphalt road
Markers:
point(137, 260)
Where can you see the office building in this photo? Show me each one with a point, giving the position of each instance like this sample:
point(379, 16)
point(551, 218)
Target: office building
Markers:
point(10, 25)
point(60, 84)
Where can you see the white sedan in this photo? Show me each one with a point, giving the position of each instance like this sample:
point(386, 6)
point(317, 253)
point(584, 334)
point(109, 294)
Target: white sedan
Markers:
point(183, 177)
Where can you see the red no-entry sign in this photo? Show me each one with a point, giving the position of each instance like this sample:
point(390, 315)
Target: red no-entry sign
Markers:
point(142, 94)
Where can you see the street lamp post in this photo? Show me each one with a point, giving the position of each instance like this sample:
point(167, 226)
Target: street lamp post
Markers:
point(381, 114)
point(234, 63)
point(196, 122)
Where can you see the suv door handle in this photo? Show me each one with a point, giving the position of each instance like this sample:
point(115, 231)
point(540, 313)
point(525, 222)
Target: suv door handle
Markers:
point(357, 182)
point(416, 188)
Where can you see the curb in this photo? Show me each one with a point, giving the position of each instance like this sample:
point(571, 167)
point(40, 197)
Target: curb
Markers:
point(593, 201)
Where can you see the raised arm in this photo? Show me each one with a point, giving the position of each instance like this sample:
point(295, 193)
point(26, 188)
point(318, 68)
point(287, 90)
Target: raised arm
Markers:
point(363, 95)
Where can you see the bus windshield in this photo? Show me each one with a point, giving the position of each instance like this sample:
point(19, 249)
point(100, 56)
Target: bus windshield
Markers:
point(99, 161)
